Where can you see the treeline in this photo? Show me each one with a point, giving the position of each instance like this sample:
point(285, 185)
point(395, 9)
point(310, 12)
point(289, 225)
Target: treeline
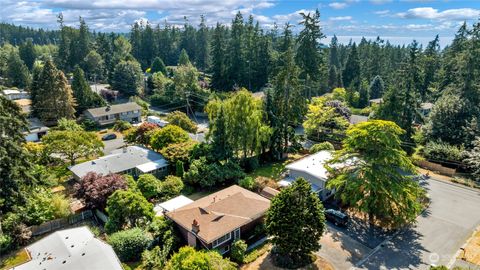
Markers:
point(16, 35)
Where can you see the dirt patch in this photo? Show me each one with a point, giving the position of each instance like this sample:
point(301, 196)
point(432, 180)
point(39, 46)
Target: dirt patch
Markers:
point(472, 249)
point(264, 262)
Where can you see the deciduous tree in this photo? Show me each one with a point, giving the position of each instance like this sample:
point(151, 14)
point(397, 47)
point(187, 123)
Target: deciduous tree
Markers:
point(94, 189)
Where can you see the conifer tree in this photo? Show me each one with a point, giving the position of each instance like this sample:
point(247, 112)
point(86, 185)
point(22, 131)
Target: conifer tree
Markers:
point(84, 96)
point(351, 72)
point(183, 59)
point(202, 54)
point(27, 53)
point(376, 88)
point(17, 73)
point(158, 66)
point(309, 57)
point(53, 98)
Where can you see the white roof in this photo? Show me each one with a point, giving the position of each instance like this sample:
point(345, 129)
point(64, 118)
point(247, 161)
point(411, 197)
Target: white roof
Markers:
point(289, 180)
point(72, 249)
point(312, 164)
point(150, 166)
point(171, 204)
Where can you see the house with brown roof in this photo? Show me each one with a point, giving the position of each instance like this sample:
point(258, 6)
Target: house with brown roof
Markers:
point(217, 220)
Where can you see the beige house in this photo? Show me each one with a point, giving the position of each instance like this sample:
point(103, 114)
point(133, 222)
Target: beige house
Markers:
point(217, 220)
point(130, 112)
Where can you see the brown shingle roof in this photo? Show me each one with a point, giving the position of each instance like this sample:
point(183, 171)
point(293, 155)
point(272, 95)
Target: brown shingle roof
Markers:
point(269, 192)
point(221, 212)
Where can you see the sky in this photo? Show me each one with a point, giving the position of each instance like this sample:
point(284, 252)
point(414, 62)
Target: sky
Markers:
point(399, 21)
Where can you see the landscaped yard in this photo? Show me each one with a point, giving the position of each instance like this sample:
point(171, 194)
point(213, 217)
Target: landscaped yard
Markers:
point(472, 250)
point(273, 170)
point(264, 262)
point(15, 259)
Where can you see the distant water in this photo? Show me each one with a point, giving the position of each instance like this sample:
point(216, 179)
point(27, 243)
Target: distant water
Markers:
point(444, 40)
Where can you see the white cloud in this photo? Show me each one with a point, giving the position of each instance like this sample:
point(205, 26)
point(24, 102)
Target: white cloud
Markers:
point(341, 18)
point(380, 2)
point(382, 12)
point(338, 5)
point(434, 14)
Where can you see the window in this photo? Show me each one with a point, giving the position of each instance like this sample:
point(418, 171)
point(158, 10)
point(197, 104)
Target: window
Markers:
point(236, 234)
point(221, 240)
point(224, 249)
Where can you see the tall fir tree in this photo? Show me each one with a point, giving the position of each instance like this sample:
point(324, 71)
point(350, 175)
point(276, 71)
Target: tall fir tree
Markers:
point(202, 45)
point(333, 57)
point(183, 59)
point(27, 53)
point(158, 66)
point(53, 98)
point(221, 148)
point(377, 87)
point(351, 73)
point(309, 57)
point(17, 73)
point(84, 96)
point(218, 52)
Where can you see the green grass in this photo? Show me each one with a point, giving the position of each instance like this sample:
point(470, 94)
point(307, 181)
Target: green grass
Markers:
point(274, 169)
point(199, 194)
point(15, 259)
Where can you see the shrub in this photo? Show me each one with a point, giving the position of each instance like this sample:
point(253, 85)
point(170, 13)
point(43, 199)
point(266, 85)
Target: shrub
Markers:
point(239, 248)
point(182, 120)
point(247, 182)
point(6, 243)
point(442, 151)
point(94, 189)
point(179, 169)
point(170, 187)
point(178, 152)
point(168, 135)
point(121, 125)
point(321, 146)
point(149, 185)
point(159, 100)
point(129, 244)
point(88, 124)
point(126, 209)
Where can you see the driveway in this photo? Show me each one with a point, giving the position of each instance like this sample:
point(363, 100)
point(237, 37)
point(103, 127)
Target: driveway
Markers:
point(438, 234)
point(339, 249)
point(112, 145)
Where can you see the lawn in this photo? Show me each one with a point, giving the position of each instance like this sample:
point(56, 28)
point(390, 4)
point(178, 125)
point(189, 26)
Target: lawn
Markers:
point(15, 259)
point(273, 170)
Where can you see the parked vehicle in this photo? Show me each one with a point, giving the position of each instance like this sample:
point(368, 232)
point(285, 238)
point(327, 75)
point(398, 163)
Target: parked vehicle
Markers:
point(156, 120)
point(336, 217)
point(109, 136)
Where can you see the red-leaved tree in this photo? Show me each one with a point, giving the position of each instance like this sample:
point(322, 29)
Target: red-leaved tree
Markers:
point(94, 189)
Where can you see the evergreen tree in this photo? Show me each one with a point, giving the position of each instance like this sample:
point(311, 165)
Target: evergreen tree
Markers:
point(221, 149)
point(218, 68)
point(236, 64)
point(127, 78)
point(332, 78)
point(84, 96)
point(295, 222)
point(64, 45)
point(431, 65)
point(351, 72)
point(309, 57)
point(183, 59)
point(15, 169)
point(17, 73)
point(53, 98)
point(202, 43)
point(158, 66)
point(148, 47)
point(287, 105)
point(376, 88)
point(334, 61)
point(27, 53)
point(82, 47)
point(363, 95)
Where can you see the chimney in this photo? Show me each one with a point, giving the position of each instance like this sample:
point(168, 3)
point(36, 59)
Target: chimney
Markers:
point(195, 226)
point(108, 108)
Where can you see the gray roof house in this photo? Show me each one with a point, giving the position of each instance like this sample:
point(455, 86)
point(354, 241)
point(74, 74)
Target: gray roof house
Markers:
point(36, 130)
point(73, 249)
point(133, 160)
point(130, 112)
point(14, 94)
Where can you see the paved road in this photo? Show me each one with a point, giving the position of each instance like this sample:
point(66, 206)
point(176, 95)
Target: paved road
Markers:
point(438, 234)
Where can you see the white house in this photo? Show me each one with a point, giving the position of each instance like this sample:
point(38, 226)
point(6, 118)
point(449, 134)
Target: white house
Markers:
point(72, 249)
point(312, 168)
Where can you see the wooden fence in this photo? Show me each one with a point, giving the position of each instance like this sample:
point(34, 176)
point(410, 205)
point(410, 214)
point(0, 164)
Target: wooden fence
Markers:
point(60, 223)
point(435, 167)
